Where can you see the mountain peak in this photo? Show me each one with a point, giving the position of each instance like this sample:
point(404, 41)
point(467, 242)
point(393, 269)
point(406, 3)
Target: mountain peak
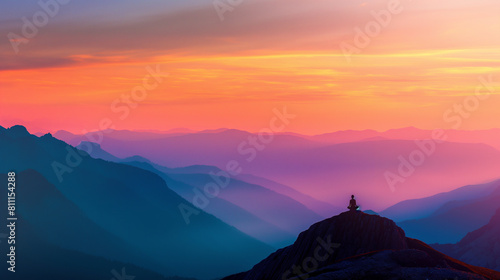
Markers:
point(354, 245)
point(95, 150)
point(18, 131)
point(92, 144)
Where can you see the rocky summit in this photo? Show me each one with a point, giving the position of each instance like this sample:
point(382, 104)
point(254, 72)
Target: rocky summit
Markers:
point(356, 245)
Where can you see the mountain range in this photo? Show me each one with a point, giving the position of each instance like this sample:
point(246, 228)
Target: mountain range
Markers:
point(122, 202)
point(447, 217)
point(324, 170)
point(116, 202)
point(275, 219)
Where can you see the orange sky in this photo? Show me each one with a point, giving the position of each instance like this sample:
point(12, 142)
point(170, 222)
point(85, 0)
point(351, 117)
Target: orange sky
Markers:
point(264, 55)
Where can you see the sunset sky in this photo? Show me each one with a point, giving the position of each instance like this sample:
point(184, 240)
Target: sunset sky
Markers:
point(262, 55)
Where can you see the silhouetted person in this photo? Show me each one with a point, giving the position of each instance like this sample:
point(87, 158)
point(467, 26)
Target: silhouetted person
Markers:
point(352, 204)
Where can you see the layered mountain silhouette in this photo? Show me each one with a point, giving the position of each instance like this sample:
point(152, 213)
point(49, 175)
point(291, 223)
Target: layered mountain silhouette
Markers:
point(322, 208)
point(324, 170)
point(318, 206)
point(490, 137)
point(355, 245)
point(480, 247)
point(262, 213)
point(460, 212)
point(119, 212)
point(243, 218)
point(124, 204)
point(424, 207)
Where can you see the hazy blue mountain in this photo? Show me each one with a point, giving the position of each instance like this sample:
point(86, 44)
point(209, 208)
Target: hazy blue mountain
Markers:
point(371, 212)
point(228, 212)
point(266, 217)
point(60, 222)
point(451, 222)
point(423, 207)
point(320, 207)
point(257, 211)
point(134, 205)
point(328, 172)
point(272, 207)
point(199, 175)
point(95, 151)
point(54, 240)
point(68, 137)
point(480, 247)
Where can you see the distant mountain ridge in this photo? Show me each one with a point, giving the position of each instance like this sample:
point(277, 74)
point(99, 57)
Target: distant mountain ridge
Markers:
point(455, 218)
point(480, 247)
point(487, 136)
point(257, 211)
point(323, 170)
point(423, 207)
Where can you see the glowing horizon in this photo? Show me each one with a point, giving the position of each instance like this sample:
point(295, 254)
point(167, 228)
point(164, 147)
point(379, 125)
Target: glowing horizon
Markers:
point(232, 73)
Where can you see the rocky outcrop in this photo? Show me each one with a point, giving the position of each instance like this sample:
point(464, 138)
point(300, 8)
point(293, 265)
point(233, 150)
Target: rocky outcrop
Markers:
point(356, 245)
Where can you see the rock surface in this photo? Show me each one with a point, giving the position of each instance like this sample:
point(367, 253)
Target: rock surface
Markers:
point(356, 245)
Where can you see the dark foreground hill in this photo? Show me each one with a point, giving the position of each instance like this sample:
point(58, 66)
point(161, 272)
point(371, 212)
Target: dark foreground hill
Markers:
point(355, 245)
